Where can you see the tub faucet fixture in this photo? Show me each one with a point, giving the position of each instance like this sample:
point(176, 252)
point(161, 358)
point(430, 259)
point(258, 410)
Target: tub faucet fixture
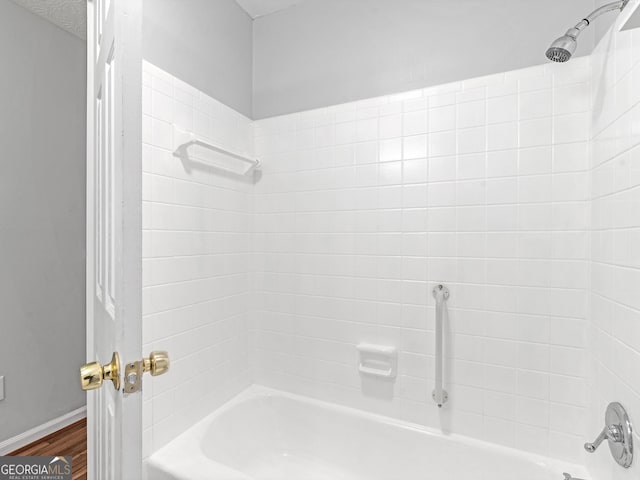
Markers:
point(611, 433)
point(618, 433)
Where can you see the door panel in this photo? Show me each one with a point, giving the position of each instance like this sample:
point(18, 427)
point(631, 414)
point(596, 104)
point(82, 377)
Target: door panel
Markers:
point(114, 229)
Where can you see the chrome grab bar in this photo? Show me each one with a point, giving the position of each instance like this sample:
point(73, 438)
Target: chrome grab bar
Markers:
point(441, 294)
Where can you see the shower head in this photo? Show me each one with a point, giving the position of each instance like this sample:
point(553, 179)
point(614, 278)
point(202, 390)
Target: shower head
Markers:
point(564, 47)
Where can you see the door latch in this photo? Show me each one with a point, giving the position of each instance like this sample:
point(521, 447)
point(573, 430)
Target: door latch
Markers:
point(157, 364)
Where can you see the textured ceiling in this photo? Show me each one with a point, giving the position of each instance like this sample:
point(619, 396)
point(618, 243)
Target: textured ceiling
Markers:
point(260, 8)
point(70, 15)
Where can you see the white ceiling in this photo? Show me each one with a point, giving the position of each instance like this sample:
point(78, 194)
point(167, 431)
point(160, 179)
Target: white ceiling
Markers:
point(70, 15)
point(260, 8)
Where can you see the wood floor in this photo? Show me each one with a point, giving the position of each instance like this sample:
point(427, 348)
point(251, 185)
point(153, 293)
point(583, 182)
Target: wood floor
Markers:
point(70, 441)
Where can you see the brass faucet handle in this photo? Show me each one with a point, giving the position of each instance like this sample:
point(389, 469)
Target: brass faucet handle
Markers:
point(157, 364)
point(93, 374)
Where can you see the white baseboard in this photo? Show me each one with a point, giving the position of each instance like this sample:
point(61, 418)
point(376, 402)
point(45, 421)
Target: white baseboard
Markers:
point(41, 431)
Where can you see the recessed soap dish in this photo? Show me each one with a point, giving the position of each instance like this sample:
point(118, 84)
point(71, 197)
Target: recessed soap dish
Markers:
point(378, 360)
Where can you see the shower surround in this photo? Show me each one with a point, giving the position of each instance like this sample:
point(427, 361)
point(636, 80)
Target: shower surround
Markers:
point(614, 313)
point(481, 185)
point(491, 186)
point(196, 229)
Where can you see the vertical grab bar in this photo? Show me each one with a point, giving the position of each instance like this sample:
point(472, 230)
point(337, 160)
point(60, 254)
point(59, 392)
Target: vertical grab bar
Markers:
point(441, 294)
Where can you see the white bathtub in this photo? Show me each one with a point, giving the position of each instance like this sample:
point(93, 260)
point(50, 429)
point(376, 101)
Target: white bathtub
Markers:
point(267, 434)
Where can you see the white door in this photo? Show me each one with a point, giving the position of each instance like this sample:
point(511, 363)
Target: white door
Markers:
point(114, 232)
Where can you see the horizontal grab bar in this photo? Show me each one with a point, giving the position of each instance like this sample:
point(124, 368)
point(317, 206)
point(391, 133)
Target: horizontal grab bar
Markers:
point(184, 139)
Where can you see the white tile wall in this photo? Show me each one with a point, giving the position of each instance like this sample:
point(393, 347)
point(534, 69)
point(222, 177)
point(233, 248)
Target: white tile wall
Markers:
point(195, 259)
point(615, 271)
point(363, 207)
point(486, 185)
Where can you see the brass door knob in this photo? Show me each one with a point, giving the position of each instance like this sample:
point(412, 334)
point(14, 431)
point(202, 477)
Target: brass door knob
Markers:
point(93, 374)
point(157, 363)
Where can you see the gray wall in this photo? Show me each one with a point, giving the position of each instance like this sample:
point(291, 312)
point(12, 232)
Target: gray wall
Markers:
point(42, 218)
point(208, 45)
point(324, 52)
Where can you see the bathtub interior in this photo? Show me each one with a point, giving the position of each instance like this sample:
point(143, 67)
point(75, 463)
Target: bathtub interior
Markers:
point(264, 434)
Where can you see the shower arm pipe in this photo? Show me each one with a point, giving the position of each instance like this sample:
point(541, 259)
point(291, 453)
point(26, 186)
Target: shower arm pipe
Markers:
point(441, 294)
point(585, 22)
